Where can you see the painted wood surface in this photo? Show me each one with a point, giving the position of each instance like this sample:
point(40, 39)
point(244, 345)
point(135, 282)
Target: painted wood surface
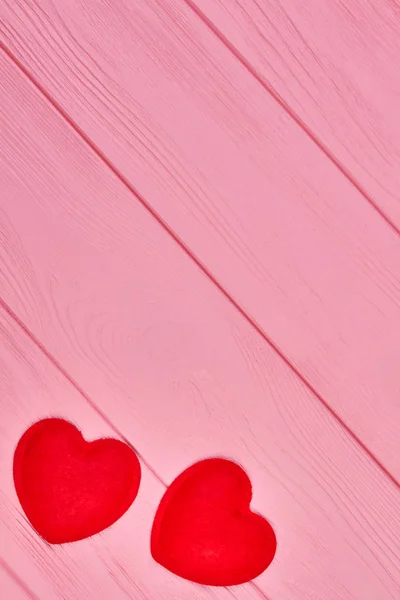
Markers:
point(147, 339)
point(334, 65)
point(289, 238)
point(114, 564)
point(11, 586)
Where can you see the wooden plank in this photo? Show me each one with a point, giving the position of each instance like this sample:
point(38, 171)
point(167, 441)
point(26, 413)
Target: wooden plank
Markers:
point(12, 588)
point(176, 368)
point(288, 237)
point(334, 65)
point(114, 564)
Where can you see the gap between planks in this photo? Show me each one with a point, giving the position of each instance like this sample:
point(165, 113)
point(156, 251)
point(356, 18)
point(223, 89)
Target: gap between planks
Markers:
point(17, 580)
point(59, 158)
point(106, 557)
point(342, 336)
point(3, 564)
point(253, 323)
point(104, 417)
point(290, 112)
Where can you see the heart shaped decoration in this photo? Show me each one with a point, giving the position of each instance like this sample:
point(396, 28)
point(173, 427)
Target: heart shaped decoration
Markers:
point(204, 530)
point(71, 489)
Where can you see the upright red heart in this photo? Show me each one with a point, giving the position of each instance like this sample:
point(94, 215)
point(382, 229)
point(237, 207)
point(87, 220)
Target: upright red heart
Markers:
point(204, 530)
point(71, 489)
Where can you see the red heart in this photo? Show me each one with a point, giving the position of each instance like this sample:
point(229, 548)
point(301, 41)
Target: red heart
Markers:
point(71, 489)
point(204, 530)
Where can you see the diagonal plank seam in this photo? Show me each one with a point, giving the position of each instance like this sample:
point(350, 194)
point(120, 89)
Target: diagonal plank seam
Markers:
point(165, 226)
point(290, 112)
point(15, 577)
point(103, 416)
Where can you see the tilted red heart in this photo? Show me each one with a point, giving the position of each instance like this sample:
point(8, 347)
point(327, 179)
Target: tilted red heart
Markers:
point(71, 489)
point(204, 530)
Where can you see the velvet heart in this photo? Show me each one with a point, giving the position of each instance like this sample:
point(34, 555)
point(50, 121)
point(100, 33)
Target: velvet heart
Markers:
point(204, 530)
point(71, 489)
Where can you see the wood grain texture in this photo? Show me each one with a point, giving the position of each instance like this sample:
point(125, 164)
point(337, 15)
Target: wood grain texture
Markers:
point(153, 344)
point(335, 65)
point(114, 564)
point(289, 238)
point(12, 588)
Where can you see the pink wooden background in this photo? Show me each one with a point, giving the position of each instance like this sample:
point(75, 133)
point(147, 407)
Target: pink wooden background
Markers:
point(200, 253)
